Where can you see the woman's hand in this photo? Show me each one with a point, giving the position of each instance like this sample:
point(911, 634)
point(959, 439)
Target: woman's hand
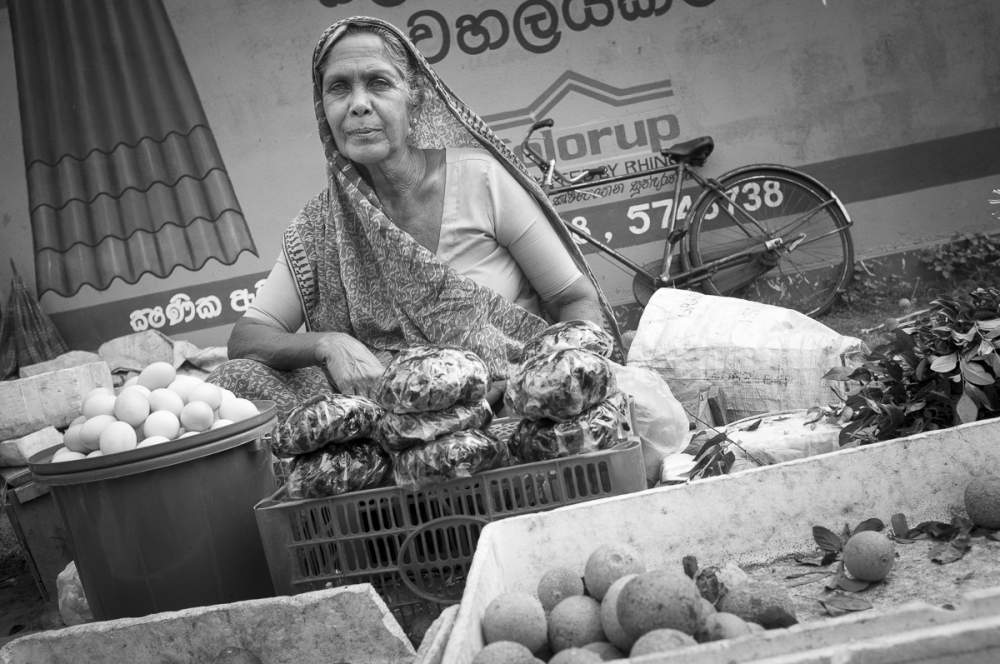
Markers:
point(350, 365)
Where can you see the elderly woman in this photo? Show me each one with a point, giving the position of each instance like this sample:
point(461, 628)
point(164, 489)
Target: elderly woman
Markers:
point(429, 232)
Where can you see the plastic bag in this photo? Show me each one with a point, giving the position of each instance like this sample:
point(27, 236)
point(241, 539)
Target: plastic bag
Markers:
point(559, 385)
point(428, 378)
point(659, 418)
point(396, 432)
point(570, 334)
point(326, 419)
point(605, 426)
point(337, 469)
point(765, 358)
point(459, 454)
point(74, 609)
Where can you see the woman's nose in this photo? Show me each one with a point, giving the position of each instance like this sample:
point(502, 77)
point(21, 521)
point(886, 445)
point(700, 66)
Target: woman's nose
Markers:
point(360, 104)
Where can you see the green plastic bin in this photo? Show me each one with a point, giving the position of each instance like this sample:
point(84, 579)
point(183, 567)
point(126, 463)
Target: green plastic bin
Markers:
point(169, 526)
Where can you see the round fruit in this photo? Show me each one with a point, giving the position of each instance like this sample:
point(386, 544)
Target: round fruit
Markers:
point(66, 454)
point(90, 431)
point(661, 640)
point(982, 501)
point(504, 652)
point(768, 604)
point(575, 622)
point(609, 616)
point(869, 555)
point(163, 398)
point(118, 437)
point(207, 392)
point(132, 406)
point(605, 650)
point(608, 563)
point(237, 409)
point(157, 374)
point(98, 402)
point(197, 416)
point(659, 599)
point(516, 616)
point(556, 585)
point(576, 656)
point(721, 625)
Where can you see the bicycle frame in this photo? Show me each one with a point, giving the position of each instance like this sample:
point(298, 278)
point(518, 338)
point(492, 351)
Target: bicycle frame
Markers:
point(687, 277)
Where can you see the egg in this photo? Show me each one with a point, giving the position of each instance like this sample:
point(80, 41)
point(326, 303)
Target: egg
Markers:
point(237, 409)
point(66, 454)
point(161, 423)
point(91, 430)
point(197, 416)
point(132, 406)
point(219, 423)
point(98, 403)
point(163, 398)
point(118, 437)
point(153, 440)
point(227, 395)
point(95, 453)
point(157, 374)
point(72, 440)
point(207, 392)
point(183, 384)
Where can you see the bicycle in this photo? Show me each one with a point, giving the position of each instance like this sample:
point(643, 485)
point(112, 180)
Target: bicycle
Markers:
point(762, 232)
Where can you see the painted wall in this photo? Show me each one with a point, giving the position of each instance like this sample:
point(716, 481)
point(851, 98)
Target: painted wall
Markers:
point(891, 102)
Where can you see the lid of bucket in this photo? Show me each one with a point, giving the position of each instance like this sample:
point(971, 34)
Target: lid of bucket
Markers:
point(42, 466)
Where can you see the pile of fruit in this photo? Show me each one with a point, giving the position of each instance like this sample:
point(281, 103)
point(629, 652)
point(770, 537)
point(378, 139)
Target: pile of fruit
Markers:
point(619, 609)
point(156, 406)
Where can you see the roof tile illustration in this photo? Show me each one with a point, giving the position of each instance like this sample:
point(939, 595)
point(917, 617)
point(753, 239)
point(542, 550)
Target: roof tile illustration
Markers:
point(124, 174)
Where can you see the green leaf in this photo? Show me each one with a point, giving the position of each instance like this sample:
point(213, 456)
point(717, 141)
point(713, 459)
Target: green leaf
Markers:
point(988, 325)
point(944, 363)
point(899, 525)
point(964, 337)
point(838, 373)
point(869, 524)
point(827, 540)
point(838, 604)
point(975, 373)
point(966, 409)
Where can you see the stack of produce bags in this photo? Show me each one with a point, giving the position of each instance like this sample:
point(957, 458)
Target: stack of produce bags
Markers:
point(435, 416)
point(329, 441)
point(565, 390)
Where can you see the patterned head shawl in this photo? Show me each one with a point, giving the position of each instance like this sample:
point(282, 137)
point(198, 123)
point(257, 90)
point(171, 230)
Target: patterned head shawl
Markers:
point(357, 272)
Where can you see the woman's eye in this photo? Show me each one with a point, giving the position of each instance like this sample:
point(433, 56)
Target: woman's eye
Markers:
point(380, 84)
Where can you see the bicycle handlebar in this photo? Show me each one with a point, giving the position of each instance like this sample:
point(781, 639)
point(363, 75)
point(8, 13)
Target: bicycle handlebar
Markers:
point(548, 167)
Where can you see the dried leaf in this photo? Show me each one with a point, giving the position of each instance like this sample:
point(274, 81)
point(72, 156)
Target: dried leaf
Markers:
point(938, 530)
point(753, 426)
point(690, 564)
point(869, 524)
point(821, 559)
point(851, 585)
point(899, 526)
point(827, 540)
point(838, 373)
point(838, 604)
point(949, 552)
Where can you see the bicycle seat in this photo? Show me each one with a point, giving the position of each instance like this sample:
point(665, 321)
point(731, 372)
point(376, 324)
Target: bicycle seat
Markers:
point(694, 152)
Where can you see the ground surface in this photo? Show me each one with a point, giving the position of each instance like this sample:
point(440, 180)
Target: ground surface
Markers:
point(879, 292)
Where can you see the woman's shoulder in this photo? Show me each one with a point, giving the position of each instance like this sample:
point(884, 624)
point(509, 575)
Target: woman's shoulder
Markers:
point(472, 157)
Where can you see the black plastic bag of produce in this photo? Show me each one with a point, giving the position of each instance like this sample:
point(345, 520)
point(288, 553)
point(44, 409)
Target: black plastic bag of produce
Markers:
point(559, 385)
point(584, 334)
point(396, 432)
point(605, 426)
point(460, 454)
point(326, 419)
point(338, 469)
point(428, 378)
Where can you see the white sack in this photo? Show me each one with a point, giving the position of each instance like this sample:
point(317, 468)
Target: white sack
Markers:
point(765, 358)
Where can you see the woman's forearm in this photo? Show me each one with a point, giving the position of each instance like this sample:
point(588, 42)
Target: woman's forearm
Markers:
point(272, 346)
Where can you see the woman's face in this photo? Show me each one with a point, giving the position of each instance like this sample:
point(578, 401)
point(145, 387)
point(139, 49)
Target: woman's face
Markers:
point(365, 99)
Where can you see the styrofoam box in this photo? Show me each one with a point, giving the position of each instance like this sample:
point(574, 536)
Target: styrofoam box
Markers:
point(757, 516)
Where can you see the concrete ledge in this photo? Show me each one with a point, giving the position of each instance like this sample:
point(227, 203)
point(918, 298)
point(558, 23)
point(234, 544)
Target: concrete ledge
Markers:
point(347, 624)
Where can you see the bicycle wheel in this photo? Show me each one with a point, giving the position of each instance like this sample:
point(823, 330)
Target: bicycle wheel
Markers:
point(780, 237)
